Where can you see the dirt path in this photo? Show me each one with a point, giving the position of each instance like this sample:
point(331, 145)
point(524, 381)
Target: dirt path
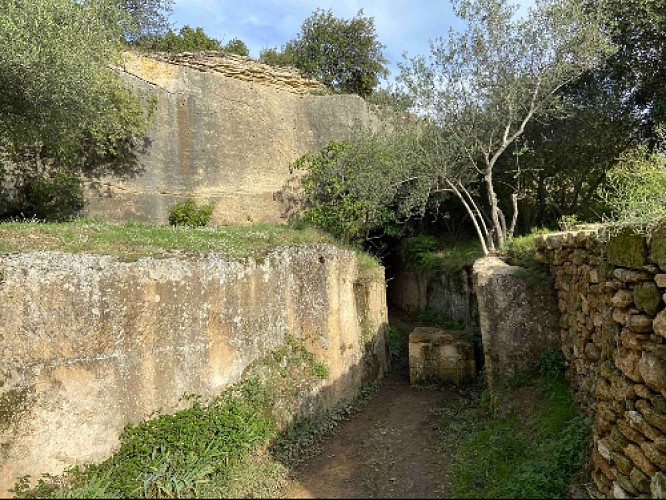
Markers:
point(389, 450)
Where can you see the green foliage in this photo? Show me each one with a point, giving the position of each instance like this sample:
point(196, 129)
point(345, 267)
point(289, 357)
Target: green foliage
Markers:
point(342, 53)
point(551, 364)
point(188, 213)
point(429, 255)
point(398, 343)
point(276, 57)
point(568, 222)
point(507, 454)
point(638, 69)
point(186, 40)
point(145, 17)
point(171, 455)
point(481, 87)
point(520, 250)
point(132, 240)
point(636, 187)
point(58, 97)
point(563, 158)
point(345, 193)
point(63, 111)
point(320, 370)
point(59, 198)
point(236, 46)
point(203, 449)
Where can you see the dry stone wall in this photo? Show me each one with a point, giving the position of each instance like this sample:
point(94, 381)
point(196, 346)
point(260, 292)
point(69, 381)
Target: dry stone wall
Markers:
point(610, 287)
point(90, 342)
point(224, 131)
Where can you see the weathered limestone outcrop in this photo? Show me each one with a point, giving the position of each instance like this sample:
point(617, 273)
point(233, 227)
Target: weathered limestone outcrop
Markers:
point(518, 317)
point(448, 293)
point(91, 342)
point(610, 286)
point(224, 130)
point(239, 67)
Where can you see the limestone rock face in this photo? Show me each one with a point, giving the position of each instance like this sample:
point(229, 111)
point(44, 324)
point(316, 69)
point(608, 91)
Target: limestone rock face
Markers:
point(90, 342)
point(437, 355)
point(225, 130)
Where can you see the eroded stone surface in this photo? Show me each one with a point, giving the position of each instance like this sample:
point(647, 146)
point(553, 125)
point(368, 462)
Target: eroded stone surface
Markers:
point(90, 342)
point(437, 355)
point(518, 318)
point(225, 130)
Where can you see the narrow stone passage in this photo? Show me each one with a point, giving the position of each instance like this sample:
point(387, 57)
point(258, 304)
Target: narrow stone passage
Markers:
point(389, 450)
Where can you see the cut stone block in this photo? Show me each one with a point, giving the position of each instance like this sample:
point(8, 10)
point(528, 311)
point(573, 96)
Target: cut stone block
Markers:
point(437, 355)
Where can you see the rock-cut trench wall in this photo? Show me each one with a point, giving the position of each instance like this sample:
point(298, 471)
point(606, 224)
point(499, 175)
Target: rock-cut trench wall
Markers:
point(224, 131)
point(611, 291)
point(90, 342)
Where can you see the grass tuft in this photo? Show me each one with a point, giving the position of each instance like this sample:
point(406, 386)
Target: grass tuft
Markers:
point(525, 442)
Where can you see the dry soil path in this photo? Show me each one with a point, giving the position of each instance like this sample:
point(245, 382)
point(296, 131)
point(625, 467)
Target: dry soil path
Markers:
point(388, 450)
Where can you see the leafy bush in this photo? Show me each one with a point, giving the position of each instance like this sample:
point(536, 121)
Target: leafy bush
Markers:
point(187, 39)
point(193, 453)
point(236, 46)
point(56, 199)
point(551, 363)
point(344, 54)
point(188, 213)
point(398, 343)
point(635, 190)
point(345, 193)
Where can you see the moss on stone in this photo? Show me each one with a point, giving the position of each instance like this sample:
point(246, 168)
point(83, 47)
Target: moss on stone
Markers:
point(12, 403)
point(627, 248)
point(647, 298)
point(658, 246)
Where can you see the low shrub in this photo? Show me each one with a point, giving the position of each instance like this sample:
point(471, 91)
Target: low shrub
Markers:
point(188, 213)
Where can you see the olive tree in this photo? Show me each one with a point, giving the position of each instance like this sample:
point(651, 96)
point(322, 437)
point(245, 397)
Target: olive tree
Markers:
point(480, 89)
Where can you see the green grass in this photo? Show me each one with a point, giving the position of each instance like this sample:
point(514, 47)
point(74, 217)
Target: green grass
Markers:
point(520, 250)
point(502, 452)
point(134, 240)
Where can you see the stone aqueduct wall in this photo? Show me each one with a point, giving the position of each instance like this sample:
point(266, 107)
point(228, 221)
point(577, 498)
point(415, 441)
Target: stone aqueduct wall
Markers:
point(224, 130)
point(613, 329)
point(90, 342)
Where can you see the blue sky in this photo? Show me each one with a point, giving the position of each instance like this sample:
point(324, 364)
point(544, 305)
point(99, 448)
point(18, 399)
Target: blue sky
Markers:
point(402, 25)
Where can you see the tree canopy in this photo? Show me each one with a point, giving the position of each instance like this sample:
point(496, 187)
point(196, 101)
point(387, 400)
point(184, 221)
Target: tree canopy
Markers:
point(638, 68)
point(344, 54)
point(60, 103)
point(480, 88)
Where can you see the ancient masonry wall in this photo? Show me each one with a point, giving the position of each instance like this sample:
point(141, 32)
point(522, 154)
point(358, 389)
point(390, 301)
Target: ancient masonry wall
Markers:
point(610, 287)
point(90, 342)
